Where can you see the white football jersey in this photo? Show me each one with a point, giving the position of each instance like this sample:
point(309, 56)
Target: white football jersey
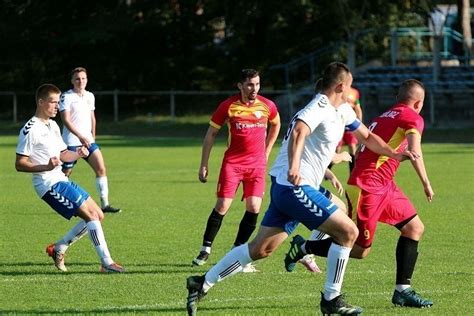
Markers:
point(80, 108)
point(327, 127)
point(40, 141)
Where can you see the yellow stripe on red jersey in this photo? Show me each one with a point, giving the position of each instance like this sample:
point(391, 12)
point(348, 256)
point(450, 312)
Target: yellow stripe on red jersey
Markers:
point(373, 171)
point(247, 123)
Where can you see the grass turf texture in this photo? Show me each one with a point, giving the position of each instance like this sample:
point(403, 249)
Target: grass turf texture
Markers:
point(154, 181)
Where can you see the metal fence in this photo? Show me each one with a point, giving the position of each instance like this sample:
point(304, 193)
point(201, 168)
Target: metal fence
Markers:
point(452, 107)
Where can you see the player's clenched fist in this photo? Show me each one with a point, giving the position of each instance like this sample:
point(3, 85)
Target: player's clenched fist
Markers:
point(53, 163)
point(82, 151)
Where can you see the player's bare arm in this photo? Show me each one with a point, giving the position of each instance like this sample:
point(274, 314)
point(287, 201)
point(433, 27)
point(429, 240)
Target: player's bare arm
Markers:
point(414, 145)
point(68, 155)
point(24, 164)
point(358, 111)
point(377, 145)
point(331, 177)
point(295, 149)
point(206, 152)
point(272, 135)
point(93, 123)
point(66, 118)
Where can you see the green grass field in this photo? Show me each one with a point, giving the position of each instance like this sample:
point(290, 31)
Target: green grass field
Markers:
point(160, 229)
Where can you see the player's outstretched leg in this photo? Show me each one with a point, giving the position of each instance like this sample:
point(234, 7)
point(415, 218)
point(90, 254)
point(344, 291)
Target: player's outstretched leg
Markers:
point(294, 253)
point(338, 306)
point(410, 298)
point(195, 293)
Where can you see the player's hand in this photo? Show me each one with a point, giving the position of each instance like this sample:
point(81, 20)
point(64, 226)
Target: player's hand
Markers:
point(53, 163)
point(407, 155)
point(84, 141)
point(429, 192)
point(340, 157)
point(203, 174)
point(82, 151)
point(337, 185)
point(294, 177)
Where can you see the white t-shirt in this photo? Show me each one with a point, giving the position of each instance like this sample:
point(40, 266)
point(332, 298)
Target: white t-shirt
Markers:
point(80, 108)
point(327, 127)
point(40, 141)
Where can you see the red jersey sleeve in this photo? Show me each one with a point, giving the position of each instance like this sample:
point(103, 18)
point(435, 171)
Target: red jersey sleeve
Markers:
point(273, 110)
point(414, 123)
point(221, 115)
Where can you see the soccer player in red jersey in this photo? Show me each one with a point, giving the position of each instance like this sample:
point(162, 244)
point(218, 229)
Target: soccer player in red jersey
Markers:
point(249, 116)
point(374, 196)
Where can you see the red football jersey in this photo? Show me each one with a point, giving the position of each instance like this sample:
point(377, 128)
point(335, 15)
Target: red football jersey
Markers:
point(373, 171)
point(247, 123)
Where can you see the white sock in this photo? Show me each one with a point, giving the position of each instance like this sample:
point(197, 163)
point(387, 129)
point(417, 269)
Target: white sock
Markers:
point(317, 235)
point(97, 237)
point(102, 186)
point(206, 249)
point(76, 233)
point(338, 257)
point(402, 287)
point(232, 263)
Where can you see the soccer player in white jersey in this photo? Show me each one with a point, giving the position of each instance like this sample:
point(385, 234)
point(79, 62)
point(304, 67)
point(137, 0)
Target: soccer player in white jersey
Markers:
point(40, 151)
point(306, 152)
point(77, 106)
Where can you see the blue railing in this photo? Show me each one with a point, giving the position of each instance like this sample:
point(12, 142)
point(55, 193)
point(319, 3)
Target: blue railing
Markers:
point(400, 51)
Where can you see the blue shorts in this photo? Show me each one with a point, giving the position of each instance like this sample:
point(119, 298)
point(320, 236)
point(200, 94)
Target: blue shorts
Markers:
point(290, 205)
point(69, 165)
point(65, 198)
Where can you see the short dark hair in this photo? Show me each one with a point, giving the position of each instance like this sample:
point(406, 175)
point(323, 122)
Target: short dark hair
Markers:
point(45, 90)
point(248, 73)
point(334, 73)
point(406, 90)
point(78, 69)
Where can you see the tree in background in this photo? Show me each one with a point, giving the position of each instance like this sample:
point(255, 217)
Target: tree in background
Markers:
point(180, 44)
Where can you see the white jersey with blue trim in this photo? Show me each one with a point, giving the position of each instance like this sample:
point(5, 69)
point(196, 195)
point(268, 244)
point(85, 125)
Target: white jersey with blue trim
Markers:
point(40, 141)
point(327, 125)
point(80, 109)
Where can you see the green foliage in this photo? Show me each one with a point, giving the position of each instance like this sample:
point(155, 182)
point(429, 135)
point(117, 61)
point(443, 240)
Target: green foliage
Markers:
point(159, 231)
point(160, 45)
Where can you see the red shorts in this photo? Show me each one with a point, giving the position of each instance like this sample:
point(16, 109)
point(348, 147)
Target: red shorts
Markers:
point(348, 139)
point(253, 181)
point(389, 206)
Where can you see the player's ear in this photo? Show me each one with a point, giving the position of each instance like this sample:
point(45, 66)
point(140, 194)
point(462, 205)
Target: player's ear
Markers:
point(418, 105)
point(239, 85)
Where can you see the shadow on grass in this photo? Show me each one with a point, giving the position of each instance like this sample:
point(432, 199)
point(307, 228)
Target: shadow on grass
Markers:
point(37, 268)
point(232, 310)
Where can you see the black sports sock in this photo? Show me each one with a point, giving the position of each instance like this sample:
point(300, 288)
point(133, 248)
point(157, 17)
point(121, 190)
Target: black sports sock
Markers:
point(318, 247)
point(406, 254)
point(246, 228)
point(212, 228)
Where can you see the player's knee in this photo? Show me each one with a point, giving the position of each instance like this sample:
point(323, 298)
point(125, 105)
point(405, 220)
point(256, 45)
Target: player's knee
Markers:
point(352, 233)
point(91, 215)
point(261, 253)
point(100, 215)
point(100, 171)
point(257, 252)
point(417, 230)
point(414, 229)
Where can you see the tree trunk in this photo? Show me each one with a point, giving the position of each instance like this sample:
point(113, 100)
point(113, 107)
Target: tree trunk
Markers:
point(464, 15)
